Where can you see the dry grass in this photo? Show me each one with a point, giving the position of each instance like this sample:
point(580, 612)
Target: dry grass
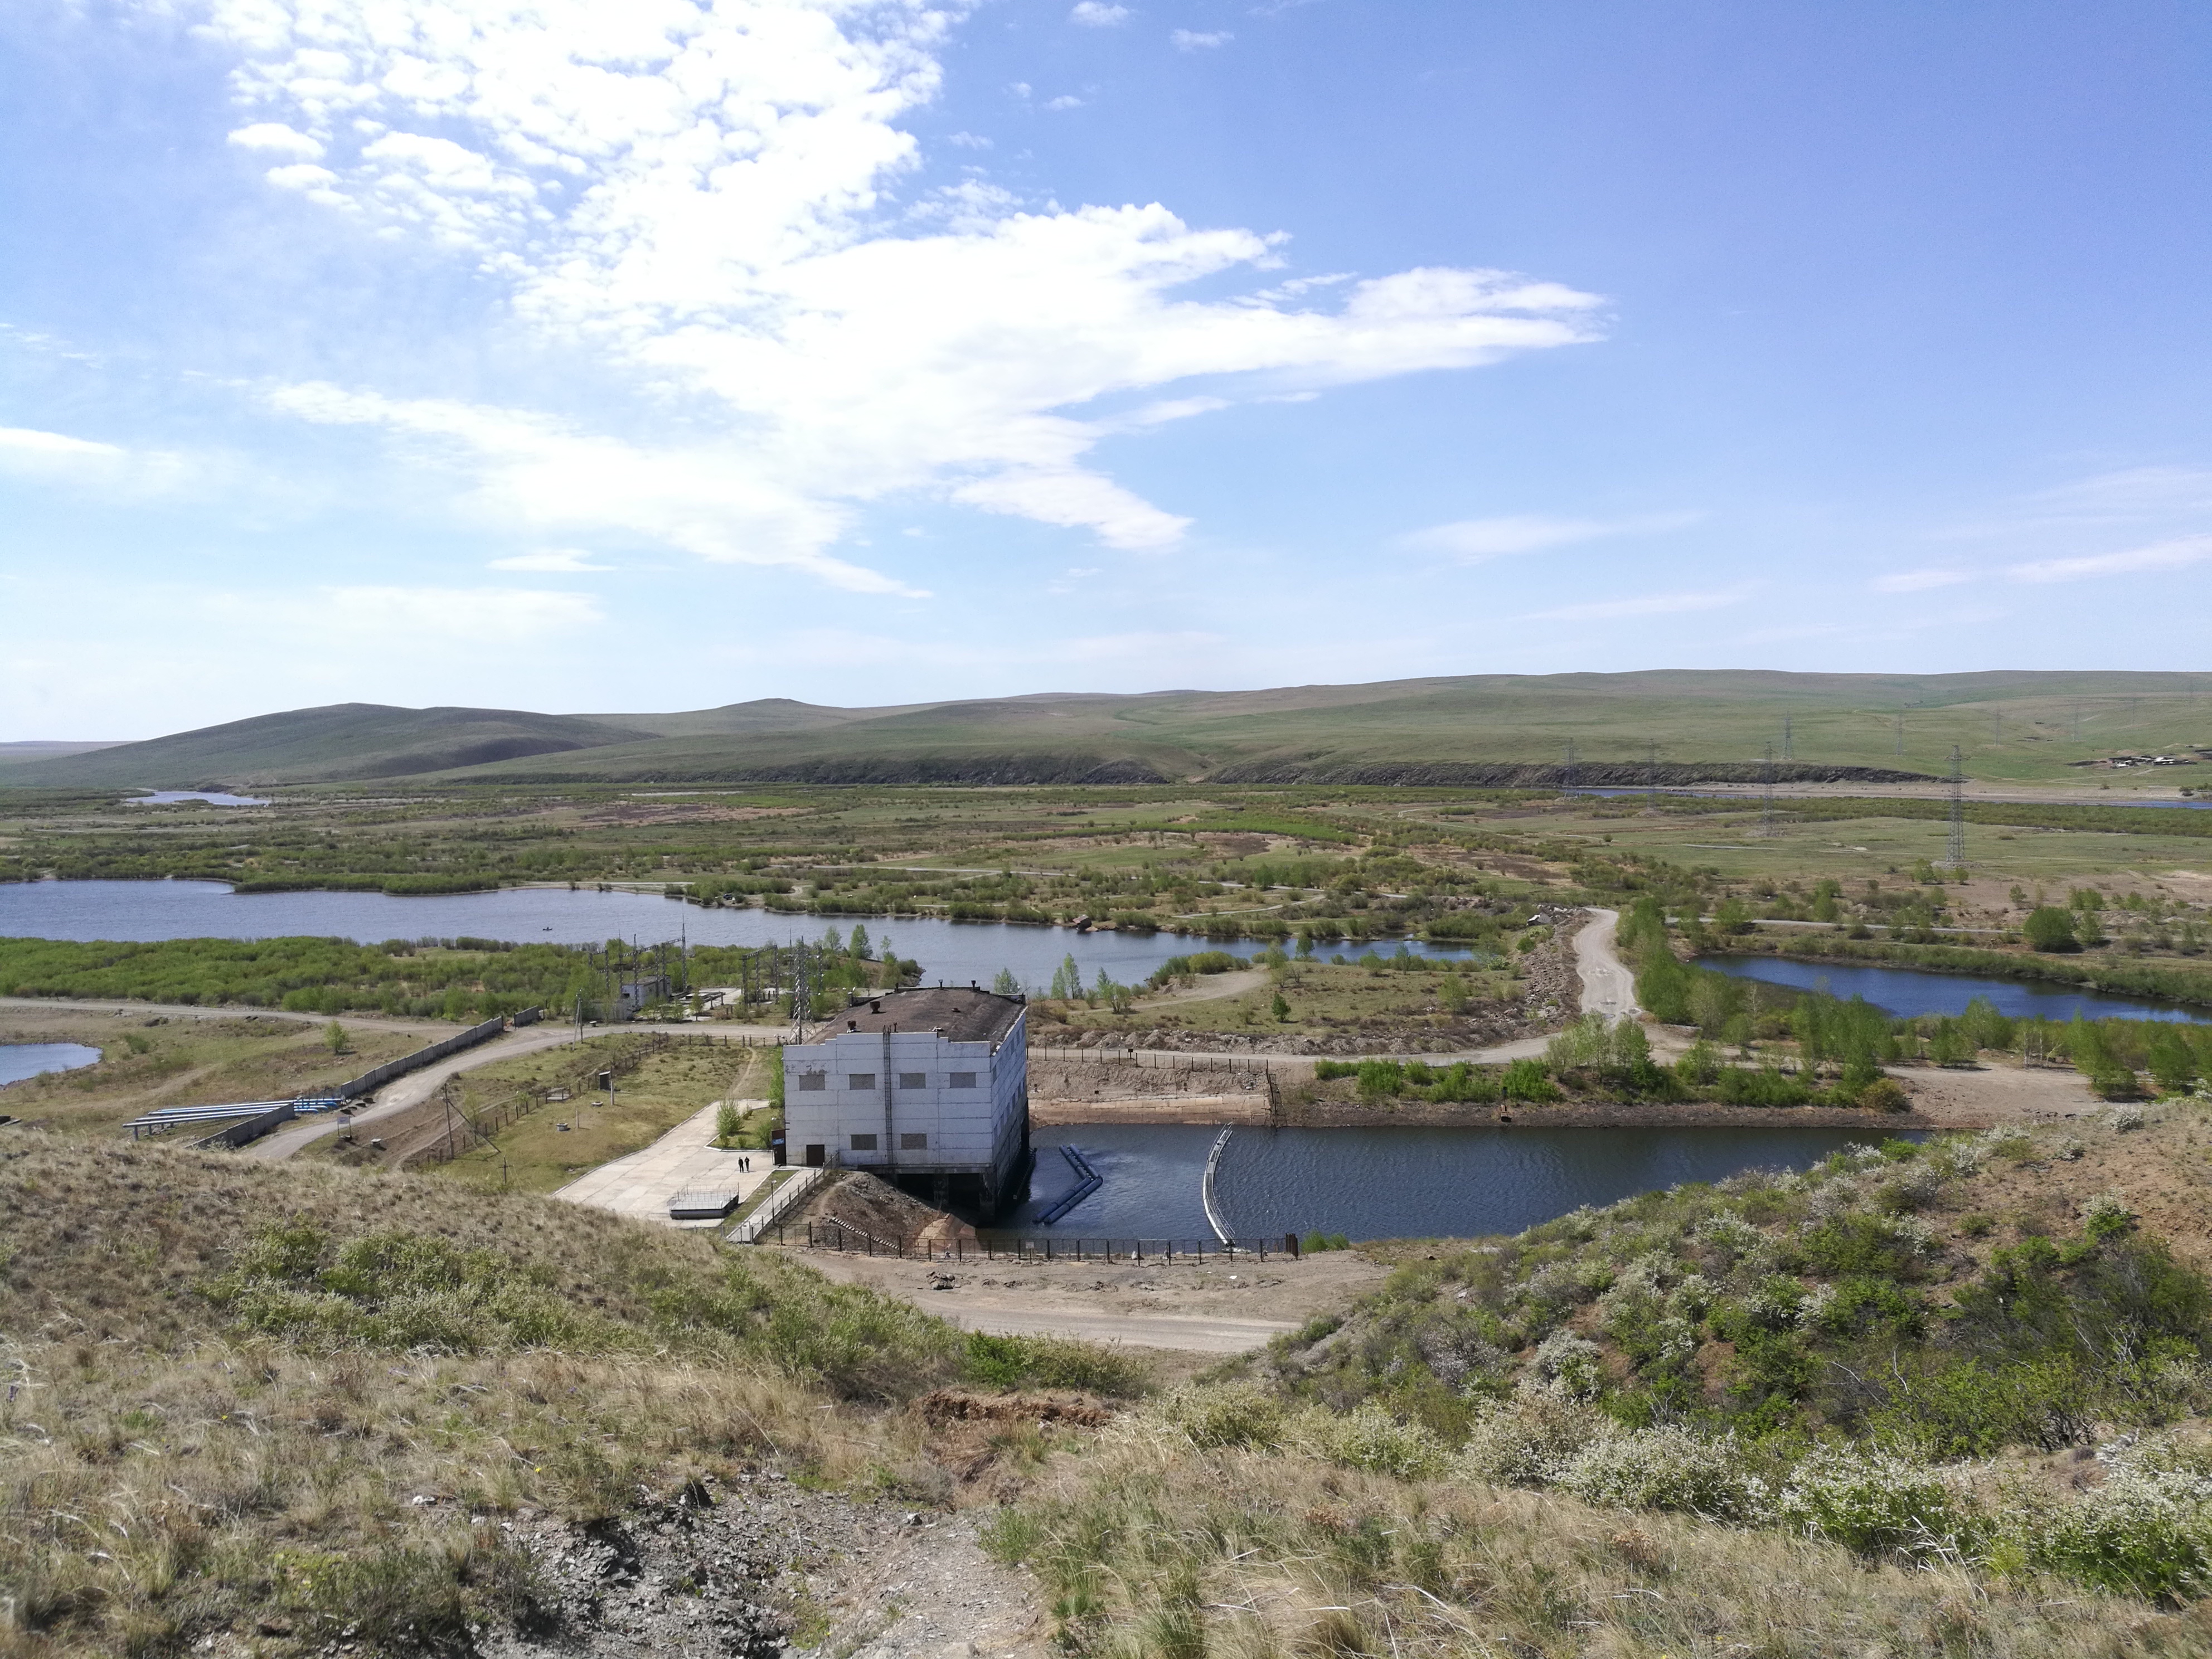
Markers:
point(1149, 1546)
point(241, 1395)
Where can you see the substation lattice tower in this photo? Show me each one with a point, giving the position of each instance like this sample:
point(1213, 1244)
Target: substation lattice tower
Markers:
point(1955, 854)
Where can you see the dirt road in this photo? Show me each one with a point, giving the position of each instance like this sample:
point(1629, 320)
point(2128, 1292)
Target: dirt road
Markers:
point(1608, 987)
point(1190, 1307)
point(417, 1087)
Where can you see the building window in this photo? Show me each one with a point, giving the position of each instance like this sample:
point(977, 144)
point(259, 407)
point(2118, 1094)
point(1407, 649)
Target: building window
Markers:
point(812, 1081)
point(864, 1143)
point(961, 1080)
point(861, 1080)
point(913, 1079)
point(913, 1143)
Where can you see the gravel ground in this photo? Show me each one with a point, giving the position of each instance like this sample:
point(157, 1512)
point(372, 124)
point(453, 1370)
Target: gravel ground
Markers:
point(764, 1567)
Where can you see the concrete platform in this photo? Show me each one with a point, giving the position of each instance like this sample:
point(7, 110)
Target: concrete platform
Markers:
point(683, 1160)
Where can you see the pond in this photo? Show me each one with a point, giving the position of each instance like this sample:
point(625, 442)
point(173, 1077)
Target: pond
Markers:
point(1909, 991)
point(954, 952)
point(206, 796)
point(1387, 1183)
point(19, 1061)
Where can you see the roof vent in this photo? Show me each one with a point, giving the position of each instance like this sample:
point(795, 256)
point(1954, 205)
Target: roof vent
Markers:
point(852, 1025)
point(876, 1005)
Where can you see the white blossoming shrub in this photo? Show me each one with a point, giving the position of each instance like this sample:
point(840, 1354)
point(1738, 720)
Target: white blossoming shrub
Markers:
point(1527, 1440)
point(1729, 1234)
point(1669, 1468)
point(1915, 1187)
point(1570, 1365)
point(1368, 1437)
point(1227, 1414)
point(2125, 1119)
point(2147, 1531)
point(1879, 1503)
point(1694, 1299)
point(2005, 1141)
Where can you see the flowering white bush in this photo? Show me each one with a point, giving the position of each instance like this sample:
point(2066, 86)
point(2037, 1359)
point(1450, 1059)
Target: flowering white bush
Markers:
point(1569, 1365)
point(2125, 1119)
point(1693, 1297)
point(1527, 1440)
point(1368, 1437)
point(1879, 1503)
point(1669, 1468)
point(1730, 1234)
point(2147, 1531)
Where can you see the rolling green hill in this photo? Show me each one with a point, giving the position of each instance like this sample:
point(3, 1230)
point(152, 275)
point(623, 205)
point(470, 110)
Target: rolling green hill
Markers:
point(1475, 730)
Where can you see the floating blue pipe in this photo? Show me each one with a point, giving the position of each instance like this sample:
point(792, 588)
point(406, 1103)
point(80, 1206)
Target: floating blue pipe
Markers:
point(1087, 1182)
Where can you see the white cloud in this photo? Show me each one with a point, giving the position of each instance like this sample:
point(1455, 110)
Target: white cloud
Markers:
point(969, 141)
point(1649, 604)
point(56, 457)
point(1098, 14)
point(26, 449)
point(1194, 41)
point(275, 138)
point(557, 561)
point(1065, 100)
point(2176, 554)
point(1472, 540)
point(1919, 581)
point(697, 194)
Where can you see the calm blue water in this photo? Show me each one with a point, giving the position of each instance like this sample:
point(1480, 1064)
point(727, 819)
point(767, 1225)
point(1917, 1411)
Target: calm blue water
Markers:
point(1907, 991)
point(210, 797)
point(1385, 1183)
point(20, 1059)
point(950, 951)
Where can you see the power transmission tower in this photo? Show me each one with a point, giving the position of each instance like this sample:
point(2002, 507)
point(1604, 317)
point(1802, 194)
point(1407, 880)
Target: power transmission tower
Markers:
point(1955, 855)
point(802, 991)
point(1766, 800)
point(1785, 736)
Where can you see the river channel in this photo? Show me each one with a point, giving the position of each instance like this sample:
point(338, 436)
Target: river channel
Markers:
point(954, 952)
point(1909, 991)
point(1385, 1183)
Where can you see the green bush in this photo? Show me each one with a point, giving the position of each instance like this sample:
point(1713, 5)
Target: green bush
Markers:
point(1878, 1503)
point(2050, 929)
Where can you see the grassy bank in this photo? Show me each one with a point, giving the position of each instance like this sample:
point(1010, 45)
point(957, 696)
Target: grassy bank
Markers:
point(303, 1400)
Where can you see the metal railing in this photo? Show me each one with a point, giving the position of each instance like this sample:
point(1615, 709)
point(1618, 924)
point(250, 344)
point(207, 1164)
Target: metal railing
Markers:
point(1023, 1247)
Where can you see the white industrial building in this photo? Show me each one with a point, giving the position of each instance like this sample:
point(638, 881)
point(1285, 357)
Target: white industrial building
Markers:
point(929, 1089)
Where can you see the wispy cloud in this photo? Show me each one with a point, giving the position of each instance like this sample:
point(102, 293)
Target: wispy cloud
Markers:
point(1648, 605)
point(558, 561)
point(1472, 540)
point(1919, 581)
point(1098, 14)
point(2175, 554)
point(1199, 40)
point(58, 459)
point(839, 354)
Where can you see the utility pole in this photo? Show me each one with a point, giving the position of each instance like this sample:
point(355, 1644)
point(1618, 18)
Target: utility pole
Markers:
point(1651, 779)
point(1956, 853)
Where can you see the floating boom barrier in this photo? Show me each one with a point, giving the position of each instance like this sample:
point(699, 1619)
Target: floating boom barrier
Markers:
point(1087, 1182)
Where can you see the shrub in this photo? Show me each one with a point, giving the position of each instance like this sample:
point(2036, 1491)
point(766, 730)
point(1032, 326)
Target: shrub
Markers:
point(1048, 1362)
point(2146, 1531)
point(1229, 1414)
point(1669, 1468)
point(1879, 1503)
point(1527, 1440)
point(1525, 1079)
point(1368, 1437)
point(2050, 929)
point(1571, 1366)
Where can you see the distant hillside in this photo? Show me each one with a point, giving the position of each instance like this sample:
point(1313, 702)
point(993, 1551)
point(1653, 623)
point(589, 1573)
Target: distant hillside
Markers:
point(1488, 729)
point(12, 754)
point(347, 741)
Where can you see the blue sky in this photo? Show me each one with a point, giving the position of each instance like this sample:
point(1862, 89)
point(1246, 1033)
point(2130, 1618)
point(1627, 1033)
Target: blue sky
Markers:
point(669, 354)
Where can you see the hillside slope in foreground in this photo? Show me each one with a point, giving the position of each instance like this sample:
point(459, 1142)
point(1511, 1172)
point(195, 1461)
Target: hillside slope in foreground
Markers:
point(271, 1411)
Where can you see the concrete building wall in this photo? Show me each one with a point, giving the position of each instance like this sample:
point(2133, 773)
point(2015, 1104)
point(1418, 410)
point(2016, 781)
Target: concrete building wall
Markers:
point(888, 1102)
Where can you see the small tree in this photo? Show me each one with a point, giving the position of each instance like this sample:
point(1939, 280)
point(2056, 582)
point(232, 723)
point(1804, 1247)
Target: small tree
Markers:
point(334, 1034)
point(1006, 985)
point(2052, 929)
point(1280, 1007)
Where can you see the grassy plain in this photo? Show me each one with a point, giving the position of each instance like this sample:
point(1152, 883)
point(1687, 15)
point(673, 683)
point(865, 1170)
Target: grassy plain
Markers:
point(561, 1140)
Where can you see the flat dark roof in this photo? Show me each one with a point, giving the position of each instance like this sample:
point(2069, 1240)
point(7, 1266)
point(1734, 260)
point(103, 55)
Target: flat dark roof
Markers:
point(962, 1015)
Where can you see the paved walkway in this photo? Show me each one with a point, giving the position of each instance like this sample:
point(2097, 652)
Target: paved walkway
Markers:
point(683, 1160)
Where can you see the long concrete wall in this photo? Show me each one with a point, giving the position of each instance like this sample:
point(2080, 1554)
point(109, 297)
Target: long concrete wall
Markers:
point(370, 1081)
